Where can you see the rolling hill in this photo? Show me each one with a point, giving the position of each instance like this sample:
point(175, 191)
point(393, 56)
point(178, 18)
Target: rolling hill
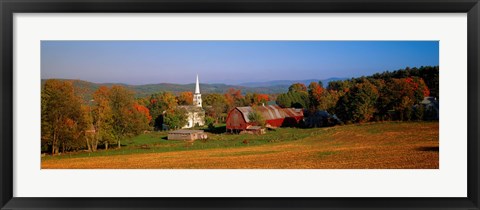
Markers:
point(271, 87)
point(288, 82)
point(88, 88)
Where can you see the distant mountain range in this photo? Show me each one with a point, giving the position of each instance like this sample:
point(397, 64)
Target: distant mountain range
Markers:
point(288, 82)
point(270, 87)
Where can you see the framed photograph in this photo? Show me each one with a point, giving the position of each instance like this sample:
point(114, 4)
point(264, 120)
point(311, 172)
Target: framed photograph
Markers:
point(239, 105)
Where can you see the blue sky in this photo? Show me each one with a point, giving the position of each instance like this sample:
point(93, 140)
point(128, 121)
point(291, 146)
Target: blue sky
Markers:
point(229, 62)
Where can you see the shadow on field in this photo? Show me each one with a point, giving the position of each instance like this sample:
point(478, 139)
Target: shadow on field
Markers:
point(428, 149)
point(216, 130)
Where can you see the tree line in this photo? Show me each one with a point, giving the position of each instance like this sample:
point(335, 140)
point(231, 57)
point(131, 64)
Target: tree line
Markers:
point(383, 96)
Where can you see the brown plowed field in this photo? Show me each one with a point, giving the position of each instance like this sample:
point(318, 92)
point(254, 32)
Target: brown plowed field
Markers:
point(368, 146)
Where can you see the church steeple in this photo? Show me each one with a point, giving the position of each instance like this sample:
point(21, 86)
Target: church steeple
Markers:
point(197, 97)
point(197, 87)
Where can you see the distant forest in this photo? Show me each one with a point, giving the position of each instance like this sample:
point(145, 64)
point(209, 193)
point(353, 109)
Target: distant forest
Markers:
point(383, 96)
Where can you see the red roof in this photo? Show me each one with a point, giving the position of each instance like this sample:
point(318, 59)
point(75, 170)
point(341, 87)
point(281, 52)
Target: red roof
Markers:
point(271, 112)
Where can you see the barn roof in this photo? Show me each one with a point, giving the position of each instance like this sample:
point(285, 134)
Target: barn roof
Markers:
point(271, 112)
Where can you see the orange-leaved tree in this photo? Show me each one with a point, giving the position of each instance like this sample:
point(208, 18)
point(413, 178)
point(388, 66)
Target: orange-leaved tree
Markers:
point(63, 121)
point(185, 98)
point(315, 91)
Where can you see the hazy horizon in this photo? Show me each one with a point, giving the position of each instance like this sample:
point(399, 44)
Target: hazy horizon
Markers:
point(228, 62)
point(193, 82)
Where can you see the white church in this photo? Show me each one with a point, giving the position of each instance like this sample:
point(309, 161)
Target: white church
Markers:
point(195, 112)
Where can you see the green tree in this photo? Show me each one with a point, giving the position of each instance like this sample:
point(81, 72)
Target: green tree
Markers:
point(297, 87)
point(249, 99)
point(125, 116)
point(210, 122)
point(329, 101)
point(215, 106)
point(340, 85)
point(418, 112)
point(160, 103)
point(358, 105)
point(296, 97)
point(256, 117)
point(283, 100)
point(299, 99)
point(176, 118)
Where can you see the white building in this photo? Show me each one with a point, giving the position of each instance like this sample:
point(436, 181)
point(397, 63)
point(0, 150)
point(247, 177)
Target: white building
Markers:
point(197, 97)
point(195, 112)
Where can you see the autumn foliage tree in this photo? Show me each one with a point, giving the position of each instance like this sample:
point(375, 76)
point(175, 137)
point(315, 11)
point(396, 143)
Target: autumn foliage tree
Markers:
point(126, 119)
point(429, 74)
point(256, 99)
point(234, 98)
point(144, 111)
point(185, 98)
point(102, 118)
point(400, 95)
point(90, 135)
point(116, 115)
point(315, 91)
point(260, 98)
point(63, 119)
point(141, 118)
point(329, 100)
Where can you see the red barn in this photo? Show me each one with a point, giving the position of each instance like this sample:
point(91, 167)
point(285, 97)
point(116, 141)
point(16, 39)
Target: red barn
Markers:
point(237, 119)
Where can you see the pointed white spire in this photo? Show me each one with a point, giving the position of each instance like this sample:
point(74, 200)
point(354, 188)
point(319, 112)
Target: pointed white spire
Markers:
point(197, 87)
point(197, 97)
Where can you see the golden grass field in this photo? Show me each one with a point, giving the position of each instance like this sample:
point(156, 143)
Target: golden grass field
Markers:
point(391, 145)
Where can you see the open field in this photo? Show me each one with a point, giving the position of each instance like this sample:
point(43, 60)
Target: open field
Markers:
point(389, 145)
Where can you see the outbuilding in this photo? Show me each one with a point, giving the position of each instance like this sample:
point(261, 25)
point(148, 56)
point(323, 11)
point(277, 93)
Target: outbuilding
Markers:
point(431, 106)
point(186, 135)
point(320, 119)
point(275, 116)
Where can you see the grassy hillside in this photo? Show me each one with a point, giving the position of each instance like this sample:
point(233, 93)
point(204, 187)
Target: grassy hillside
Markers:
point(376, 145)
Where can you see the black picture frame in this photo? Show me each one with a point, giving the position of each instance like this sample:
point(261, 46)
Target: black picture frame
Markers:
point(9, 7)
